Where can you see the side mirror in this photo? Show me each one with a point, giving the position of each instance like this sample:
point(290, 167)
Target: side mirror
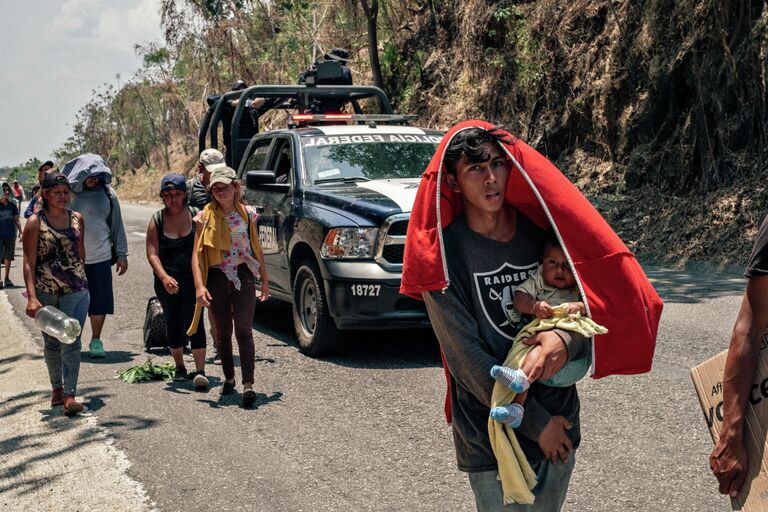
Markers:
point(255, 178)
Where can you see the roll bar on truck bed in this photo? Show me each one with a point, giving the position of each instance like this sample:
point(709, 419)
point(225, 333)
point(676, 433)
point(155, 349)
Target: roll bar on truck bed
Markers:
point(296, 97)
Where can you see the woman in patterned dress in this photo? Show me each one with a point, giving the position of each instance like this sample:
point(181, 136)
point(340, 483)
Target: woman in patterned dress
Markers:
point(225, 263)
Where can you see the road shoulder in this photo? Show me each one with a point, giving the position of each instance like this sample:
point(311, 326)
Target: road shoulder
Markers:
point(49, 461)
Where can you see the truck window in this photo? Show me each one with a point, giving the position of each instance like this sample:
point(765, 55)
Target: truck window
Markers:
point(258, 159)
point(374, 161)
point(283, 162)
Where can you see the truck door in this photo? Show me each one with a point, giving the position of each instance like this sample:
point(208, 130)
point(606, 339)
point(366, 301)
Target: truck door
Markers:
point(277, 203)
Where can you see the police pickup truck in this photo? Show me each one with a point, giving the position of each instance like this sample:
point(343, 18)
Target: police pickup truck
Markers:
point(334, 193)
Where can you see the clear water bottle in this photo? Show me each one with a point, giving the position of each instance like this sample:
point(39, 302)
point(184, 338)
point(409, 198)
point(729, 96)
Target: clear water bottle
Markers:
point(54, 322)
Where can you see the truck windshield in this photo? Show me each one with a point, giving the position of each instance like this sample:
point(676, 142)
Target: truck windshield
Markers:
point(368, 161)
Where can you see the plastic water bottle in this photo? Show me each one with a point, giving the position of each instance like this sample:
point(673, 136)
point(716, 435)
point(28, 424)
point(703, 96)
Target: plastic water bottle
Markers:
point(54, 322)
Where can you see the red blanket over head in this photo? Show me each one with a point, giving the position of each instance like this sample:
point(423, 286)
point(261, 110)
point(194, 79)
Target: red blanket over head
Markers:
point(617, 293)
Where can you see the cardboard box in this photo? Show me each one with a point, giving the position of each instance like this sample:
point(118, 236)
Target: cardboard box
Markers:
point(708, 381)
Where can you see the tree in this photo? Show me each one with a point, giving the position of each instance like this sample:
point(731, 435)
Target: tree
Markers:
point(371, 17)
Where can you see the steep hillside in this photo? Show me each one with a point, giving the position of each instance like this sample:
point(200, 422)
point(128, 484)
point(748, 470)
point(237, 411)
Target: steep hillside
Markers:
point(656, 109)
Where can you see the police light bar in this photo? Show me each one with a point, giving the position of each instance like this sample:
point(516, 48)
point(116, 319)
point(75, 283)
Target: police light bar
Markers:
point(392, 118)
point(321, 117)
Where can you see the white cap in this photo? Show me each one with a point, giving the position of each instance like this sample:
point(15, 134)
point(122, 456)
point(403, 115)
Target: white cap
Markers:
point(212, 159)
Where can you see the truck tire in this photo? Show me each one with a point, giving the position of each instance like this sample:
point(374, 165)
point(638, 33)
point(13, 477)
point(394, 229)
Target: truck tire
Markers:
point(315, 330)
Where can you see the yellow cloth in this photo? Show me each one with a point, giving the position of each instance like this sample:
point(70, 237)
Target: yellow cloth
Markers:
point(215, 241)
point(517, 477)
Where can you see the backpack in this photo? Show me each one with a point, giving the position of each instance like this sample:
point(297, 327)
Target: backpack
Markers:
point(154, 326)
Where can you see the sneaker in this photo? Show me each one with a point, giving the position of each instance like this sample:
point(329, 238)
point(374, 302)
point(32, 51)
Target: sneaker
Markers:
point(8, 283)
point(511, 415)
point(200, 381)
point(227, 388)
point(249, 397)
point(1, 285)
point(57, 397)
point(96, 348)
point(180, 373)
point(515, 380)
point(72, 406)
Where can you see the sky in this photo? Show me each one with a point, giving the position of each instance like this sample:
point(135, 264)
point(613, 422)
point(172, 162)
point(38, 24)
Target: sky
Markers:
point(53, 54)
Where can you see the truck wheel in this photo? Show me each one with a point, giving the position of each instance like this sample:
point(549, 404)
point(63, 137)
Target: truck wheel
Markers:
point(315, 330)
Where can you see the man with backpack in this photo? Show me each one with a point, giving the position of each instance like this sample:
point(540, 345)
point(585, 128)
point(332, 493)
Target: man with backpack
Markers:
point(106, 243)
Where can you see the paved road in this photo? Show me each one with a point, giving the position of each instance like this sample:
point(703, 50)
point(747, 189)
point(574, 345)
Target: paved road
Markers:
point(364, 431)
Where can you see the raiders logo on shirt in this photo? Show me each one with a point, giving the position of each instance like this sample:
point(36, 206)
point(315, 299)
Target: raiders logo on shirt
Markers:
point(496, 290)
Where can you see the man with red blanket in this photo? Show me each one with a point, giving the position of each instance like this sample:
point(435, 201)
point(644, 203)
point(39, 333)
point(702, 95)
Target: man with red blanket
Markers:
point(476, 232)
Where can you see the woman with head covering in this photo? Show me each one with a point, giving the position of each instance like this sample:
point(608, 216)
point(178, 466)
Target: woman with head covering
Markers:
point(105, 242)
point(170, 242)
point(54, 275)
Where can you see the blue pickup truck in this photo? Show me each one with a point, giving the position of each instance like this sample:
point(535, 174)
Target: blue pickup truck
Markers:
point(334, 193)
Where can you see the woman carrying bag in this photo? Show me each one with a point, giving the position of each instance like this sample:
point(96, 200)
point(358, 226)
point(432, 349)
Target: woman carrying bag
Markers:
point(170, 244)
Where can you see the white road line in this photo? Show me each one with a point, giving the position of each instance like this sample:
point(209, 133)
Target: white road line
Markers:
point(138, 233)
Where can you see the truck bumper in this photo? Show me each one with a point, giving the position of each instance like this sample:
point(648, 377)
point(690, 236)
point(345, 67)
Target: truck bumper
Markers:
point(362, 295)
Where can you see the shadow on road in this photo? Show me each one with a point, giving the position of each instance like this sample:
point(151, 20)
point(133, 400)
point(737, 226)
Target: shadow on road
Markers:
point(129, 422)
point(38, 449)
point(113, 356)
point(679, 286)
point(414, 348)
point(20, 357)
point(235, 400)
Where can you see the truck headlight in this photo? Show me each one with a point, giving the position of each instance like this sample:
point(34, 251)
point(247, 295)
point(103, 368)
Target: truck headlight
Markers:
point(349, 243)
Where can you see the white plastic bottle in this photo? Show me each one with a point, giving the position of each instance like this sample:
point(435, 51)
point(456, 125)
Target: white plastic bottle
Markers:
point(55, 323)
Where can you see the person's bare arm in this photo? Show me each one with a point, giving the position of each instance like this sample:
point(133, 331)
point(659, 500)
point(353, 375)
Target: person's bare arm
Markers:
point(263, 277)
point(577, 307)
point(81, 242)
point(528, 305)
point(201, 292)
point(728, 460)
point(29, 247)
point(153, 257)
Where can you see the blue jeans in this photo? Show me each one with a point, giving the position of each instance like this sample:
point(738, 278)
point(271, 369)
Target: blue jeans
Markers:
point(62, 360)
point(550, 490)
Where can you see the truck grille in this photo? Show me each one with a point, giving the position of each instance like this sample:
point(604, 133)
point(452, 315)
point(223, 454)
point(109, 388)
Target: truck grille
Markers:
point(391, 242)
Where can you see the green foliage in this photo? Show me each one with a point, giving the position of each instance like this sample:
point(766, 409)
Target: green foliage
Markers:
point(147, 372)
point(25, 173)
point(503, 13)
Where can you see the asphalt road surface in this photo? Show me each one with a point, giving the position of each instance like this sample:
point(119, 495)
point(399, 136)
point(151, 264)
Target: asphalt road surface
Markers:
point(365, 431)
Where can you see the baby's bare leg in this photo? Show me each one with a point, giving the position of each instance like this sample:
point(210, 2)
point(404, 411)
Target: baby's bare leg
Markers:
point(530, 360)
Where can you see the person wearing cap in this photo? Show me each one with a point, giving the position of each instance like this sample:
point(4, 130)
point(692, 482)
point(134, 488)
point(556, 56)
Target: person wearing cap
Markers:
point(198, 197)
point(170, 242)
point(106, 243)
point(9, 226)
point(33, 207)
point(225, 263)
point(209, 160)
point(54, 275)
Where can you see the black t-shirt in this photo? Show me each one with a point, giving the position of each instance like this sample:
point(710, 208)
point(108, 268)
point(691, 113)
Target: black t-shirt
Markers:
point(758, 261)
point(471, 319)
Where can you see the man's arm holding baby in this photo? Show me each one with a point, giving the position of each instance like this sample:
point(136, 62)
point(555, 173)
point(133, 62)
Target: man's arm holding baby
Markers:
point(528, 305)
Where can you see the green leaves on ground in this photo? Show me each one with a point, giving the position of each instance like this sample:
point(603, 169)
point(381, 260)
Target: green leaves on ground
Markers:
point(147, 372)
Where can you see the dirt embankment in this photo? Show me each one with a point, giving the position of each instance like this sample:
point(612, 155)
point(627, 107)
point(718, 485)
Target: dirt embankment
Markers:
point(657, 110)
